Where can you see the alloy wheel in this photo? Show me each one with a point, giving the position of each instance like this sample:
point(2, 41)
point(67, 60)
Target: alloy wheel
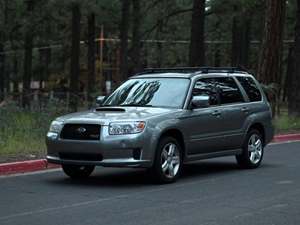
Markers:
point(255, 148)
point(170, 160)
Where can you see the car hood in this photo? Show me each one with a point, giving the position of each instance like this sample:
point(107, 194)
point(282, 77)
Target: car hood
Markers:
point(105, 115)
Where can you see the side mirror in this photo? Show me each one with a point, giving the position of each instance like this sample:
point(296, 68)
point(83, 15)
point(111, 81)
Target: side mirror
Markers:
point(201, 101)
point(99, 100)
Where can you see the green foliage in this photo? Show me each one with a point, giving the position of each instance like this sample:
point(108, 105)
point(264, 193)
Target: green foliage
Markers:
point(22, 133)
point(286, 124)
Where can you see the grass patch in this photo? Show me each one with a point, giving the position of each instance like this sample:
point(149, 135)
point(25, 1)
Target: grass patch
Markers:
point(22, 133)
point(286, 124)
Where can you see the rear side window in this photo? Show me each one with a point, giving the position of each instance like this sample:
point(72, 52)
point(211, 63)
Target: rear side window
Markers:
point(229, 91)
point(251, 89)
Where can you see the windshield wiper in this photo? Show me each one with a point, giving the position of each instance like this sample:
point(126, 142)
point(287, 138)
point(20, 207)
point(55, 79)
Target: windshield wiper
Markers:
point(136, 105)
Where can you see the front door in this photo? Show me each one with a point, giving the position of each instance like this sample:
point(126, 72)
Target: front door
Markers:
point(203, 126)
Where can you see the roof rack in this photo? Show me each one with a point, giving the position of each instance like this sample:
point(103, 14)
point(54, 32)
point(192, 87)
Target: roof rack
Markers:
point(172, 70)
point(195, 70)
point(223, 70)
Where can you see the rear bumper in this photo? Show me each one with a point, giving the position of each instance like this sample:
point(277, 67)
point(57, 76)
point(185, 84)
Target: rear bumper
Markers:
point(269, 134)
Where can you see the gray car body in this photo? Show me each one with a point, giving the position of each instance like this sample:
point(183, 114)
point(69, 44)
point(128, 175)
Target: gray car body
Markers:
point(203, 133)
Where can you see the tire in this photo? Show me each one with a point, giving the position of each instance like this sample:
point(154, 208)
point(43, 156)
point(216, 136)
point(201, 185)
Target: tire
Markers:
point(78, 172)
point(168, 161)
point(253, 151)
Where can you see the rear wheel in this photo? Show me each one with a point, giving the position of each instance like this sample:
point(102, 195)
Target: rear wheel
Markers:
point(168, 160)
point(78, 172)
point(253, 150)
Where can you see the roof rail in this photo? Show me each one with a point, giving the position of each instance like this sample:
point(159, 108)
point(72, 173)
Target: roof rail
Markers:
point(223, 70)
point(195, 70)
point(172, 70)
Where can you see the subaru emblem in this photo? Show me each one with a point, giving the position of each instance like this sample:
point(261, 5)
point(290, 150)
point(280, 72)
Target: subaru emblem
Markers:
point(81, 130)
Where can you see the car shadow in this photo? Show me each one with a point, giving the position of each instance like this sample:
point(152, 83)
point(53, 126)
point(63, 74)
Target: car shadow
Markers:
point(118, 178)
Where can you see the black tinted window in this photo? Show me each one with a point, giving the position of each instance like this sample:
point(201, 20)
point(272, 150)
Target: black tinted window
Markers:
point(223, 90)
point(207, 87)
point(251, 89)
point(229, 91)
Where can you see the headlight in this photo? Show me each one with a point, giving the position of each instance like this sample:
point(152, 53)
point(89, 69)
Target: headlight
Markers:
point(126, 128)
point(56, 126)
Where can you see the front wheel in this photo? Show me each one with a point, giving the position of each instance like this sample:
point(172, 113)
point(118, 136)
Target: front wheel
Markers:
point(253, 151)
point(78, 172)
point(168, 160)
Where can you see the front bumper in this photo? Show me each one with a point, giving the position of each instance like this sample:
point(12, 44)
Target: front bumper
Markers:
point(111, 150)
point(129, 162)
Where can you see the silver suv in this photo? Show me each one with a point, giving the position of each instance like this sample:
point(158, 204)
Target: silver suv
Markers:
point(163, 118)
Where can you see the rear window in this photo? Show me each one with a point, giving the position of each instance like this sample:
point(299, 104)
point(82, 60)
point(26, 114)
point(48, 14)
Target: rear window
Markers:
point(251, 89)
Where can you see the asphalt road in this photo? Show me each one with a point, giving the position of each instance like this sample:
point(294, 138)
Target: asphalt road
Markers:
point(210, 192)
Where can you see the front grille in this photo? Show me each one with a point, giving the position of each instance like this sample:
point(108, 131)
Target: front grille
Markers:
point(81, 157)
point(81, 132)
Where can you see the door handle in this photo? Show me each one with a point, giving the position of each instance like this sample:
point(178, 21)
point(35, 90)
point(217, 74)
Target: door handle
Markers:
point(216, 113)
point(245, 109)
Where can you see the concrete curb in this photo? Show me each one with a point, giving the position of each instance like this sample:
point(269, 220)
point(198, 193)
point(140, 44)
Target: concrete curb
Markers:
point(25, 166)
point(42, 164)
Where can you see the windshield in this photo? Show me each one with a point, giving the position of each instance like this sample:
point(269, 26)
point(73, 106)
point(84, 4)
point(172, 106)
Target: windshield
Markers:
point(150, 92)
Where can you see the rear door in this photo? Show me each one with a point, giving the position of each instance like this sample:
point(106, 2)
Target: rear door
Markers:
point(235, 110)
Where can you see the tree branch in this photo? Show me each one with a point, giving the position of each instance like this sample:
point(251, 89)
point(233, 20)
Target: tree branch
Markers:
point(167, 17)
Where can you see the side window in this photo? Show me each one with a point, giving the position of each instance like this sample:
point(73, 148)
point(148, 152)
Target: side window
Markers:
point(251, 89)
point(229, 90)
point(207, 87)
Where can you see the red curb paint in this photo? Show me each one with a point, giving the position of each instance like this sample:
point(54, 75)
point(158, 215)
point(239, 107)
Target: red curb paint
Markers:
point(286, 138)
point(25, 166)
point(42, 164)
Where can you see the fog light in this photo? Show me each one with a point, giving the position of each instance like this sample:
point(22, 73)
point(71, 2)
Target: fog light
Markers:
point(136, 154)
point(52, 135)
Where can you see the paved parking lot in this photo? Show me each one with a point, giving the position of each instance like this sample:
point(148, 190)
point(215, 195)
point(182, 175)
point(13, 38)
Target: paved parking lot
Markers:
point(209, 192)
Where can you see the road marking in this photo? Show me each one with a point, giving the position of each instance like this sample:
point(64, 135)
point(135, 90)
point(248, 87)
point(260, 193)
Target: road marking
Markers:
point(61, 207)
point(285, 182)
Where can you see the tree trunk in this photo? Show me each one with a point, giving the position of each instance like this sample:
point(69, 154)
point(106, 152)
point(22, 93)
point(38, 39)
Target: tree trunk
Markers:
point(6, 21)
point(136, 36)
point(28, 45)
point(217, 57)
point(241, 26)
point(124, 28)
point(3, 78)
point(245, 48)
point(288, 85)
point(197, 47)
point(269, 68)
point(91, 57)
point(294, 93)
point(48, 51)
point(15, 71)
point(2, 70)
point(159, 45)
point(235, 39)
point(75, 55)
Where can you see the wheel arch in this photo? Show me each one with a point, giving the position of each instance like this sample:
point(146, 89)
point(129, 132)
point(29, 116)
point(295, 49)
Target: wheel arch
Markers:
point(177, 134)
point(259, 127)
